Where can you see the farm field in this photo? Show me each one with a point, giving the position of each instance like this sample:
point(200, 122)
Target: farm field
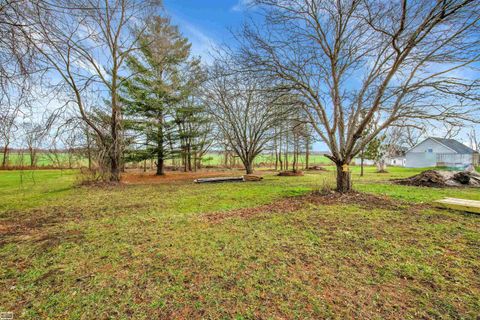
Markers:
point(44, 159)
point(210, 159)
point(165, 248)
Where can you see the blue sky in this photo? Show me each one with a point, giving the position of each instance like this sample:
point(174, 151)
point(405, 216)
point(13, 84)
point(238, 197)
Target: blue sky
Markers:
point(206, 22)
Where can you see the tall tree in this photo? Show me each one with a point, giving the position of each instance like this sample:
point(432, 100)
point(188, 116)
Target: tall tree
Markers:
point(195, 129)
point(86, 43)
point(355, 60)
point(245, 111)
point(157, 87)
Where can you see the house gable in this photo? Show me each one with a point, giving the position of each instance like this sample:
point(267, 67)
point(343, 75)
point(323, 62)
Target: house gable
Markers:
point(430, 145)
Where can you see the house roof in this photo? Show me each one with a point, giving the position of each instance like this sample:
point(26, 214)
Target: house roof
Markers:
point(455, 145)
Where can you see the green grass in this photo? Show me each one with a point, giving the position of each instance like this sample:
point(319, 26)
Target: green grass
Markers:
point(29, 188)
point(149, 252)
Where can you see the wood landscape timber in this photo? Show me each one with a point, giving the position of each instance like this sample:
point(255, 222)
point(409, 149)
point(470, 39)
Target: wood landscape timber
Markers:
point(219, 179)
point(244, 178)
point(459, 204)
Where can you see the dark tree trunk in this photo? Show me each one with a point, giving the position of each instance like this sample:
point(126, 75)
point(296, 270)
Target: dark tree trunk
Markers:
point(344, 183)
point(115, 152)
point(5, 156)
point(114, 169)
point(33, 156)
point(276, 160)
point(286, 155)
point(189, 157)
point(249, 167)
point(160, 164)
point(160, 144)
point(280, 160)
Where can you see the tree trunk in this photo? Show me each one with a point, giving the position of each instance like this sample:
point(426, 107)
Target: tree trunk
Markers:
point(362, 158)
point(160, 164)
point(276, 160)
point(33, 159)
point(89, 150)
point(381, 166)
point(286, 155)
point(307, 155)
point(115, 152)
point(294, 163)
point(280, 160)
point(114, 169)
point(5, 156)
point(160, 142)
point(249, 167)
point(189, 157)
point(344, 183)
point(116, 147)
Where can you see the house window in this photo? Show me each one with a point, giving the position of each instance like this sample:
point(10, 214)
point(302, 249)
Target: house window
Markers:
point(430, 150)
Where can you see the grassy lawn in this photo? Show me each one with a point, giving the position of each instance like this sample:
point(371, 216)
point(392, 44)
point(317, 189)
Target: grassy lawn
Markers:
point(234, 251)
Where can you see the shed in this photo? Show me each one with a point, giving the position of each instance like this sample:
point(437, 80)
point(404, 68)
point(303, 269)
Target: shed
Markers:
point(440, 152)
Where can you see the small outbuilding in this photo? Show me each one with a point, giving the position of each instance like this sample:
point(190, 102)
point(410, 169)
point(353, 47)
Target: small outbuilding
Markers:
point(439, 152)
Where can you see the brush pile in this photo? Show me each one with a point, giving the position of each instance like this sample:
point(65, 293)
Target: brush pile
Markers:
point(442, 179)
point(294, 173)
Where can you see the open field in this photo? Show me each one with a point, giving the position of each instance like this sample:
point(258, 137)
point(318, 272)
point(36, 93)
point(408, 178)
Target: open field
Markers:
point(164, 248)
point(45, 159)
point(211, 159)
point(216, 159)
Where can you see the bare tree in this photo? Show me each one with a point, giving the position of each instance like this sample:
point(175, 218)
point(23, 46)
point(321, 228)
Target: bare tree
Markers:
point(86, 43)
point(16, 56)
point(474, 140)
point(355, 60)
point(10, 111)
point(33, 136)
point(245, 112)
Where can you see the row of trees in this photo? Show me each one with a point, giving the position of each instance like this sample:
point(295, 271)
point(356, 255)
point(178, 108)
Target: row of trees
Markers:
point(346, 71)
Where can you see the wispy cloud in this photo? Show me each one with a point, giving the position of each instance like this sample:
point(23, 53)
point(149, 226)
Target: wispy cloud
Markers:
point(202, 43)
point(242, 5)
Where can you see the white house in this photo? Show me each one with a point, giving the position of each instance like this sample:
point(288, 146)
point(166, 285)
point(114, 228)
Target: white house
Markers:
point(439, 152)
point(397, 161)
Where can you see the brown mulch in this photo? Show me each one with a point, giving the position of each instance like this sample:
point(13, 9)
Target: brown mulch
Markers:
point(292, 204)
point(317, 168)
point(290, 173)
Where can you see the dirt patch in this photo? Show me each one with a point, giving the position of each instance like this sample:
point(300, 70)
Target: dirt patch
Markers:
point(36, 226)
point(317, 168)
point(295, 173)
point(442, 179)
point(292, 204)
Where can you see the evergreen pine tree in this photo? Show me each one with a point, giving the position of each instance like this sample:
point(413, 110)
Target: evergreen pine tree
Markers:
point(152, 92)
